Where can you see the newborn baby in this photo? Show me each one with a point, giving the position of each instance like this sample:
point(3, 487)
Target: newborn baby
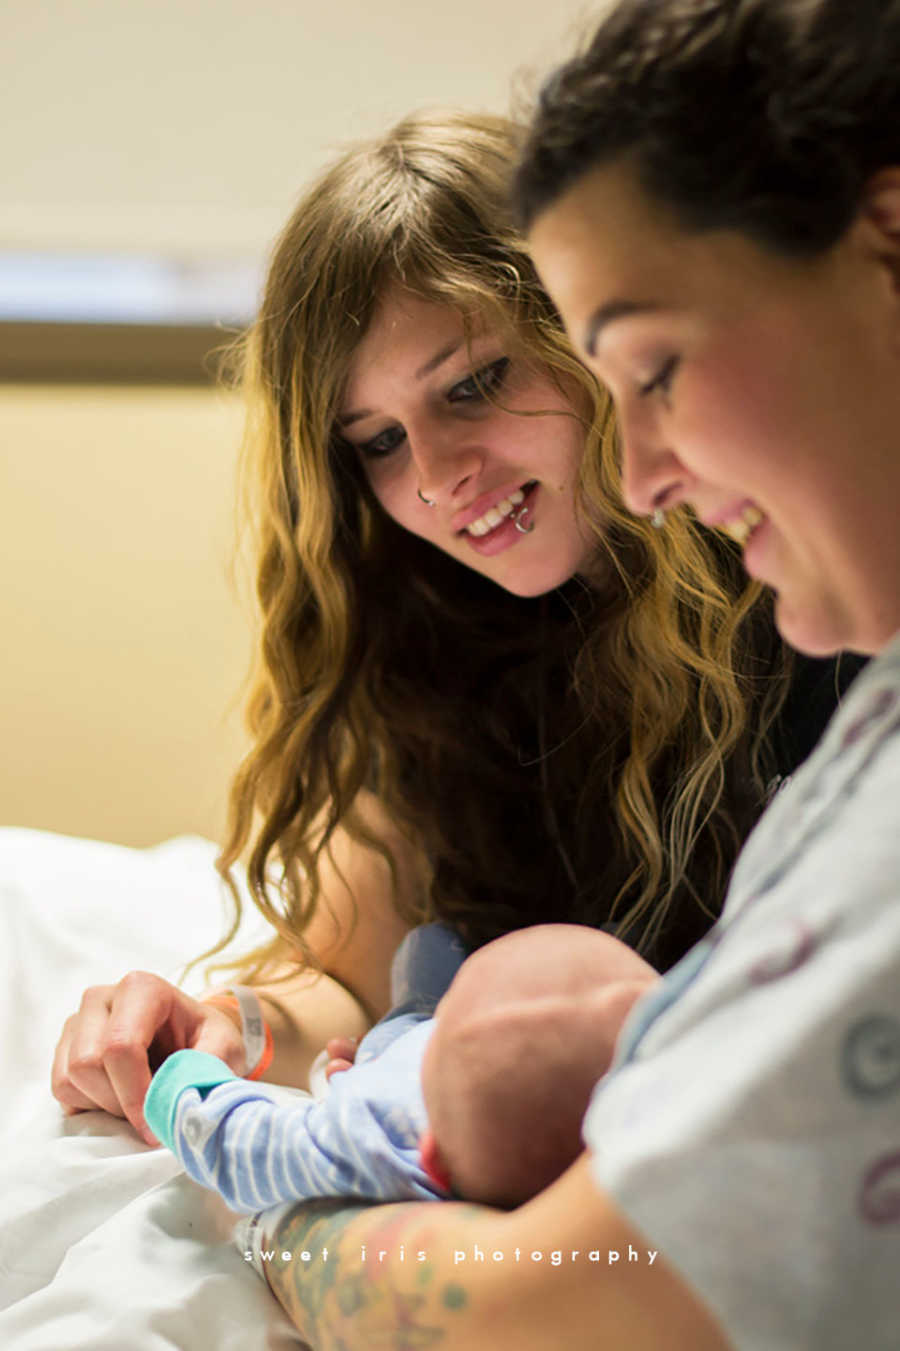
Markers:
point(479, 1093)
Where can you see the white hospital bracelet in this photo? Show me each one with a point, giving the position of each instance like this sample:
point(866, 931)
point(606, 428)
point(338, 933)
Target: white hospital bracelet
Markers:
point(257, 1035)
point(253, 1025)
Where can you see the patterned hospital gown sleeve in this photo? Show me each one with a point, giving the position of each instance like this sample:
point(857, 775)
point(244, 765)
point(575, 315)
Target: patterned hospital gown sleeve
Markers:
point(751, 1125)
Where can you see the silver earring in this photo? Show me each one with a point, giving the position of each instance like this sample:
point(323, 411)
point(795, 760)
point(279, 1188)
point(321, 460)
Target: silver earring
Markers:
point(429, 501)
point(658, 519)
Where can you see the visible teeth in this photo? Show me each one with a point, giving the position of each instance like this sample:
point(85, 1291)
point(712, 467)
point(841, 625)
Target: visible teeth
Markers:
point(740, 528)
point(494, 515)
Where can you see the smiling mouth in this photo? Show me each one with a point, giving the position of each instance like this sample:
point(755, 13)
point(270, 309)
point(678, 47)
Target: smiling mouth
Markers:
point(742, 527)
point(500, 512)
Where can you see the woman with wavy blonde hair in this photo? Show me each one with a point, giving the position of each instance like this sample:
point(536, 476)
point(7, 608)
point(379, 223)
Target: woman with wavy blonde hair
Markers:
point(485, 693)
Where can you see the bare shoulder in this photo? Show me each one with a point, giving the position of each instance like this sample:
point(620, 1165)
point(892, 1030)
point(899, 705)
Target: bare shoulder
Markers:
point(370, 873)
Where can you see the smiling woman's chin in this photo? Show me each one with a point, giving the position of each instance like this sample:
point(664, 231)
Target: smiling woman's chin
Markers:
point(539, 577)
point(530, 581)
point(817, 627)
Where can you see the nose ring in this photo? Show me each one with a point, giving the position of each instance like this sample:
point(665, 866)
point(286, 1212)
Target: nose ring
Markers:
point(658, 519)
point(429, 501)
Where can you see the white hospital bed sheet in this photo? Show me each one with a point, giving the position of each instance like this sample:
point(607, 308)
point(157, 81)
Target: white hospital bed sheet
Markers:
point(105, 1245)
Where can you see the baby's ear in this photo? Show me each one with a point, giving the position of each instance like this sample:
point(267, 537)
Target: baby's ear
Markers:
point(431, 1161)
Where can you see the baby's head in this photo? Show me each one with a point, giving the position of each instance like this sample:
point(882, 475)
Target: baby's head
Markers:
point(521, 1037)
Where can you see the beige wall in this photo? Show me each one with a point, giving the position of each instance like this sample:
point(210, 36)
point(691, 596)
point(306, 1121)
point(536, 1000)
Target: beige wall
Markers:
point(174, 125)
point(123, 646)
point(192, 124)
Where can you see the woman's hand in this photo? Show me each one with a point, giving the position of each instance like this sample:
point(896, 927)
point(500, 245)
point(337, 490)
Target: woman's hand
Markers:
point(110, 1048)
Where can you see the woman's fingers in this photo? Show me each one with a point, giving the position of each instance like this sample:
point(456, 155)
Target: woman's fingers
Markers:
point(105, 1052)
point(79, 1079)
point(71, 1097)
point(148, 1017)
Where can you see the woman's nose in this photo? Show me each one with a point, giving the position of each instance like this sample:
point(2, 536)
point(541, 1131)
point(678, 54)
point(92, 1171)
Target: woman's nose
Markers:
point(445, 461)
point(652, 475)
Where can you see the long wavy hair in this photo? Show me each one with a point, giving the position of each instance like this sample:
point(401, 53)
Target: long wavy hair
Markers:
point(596, 754)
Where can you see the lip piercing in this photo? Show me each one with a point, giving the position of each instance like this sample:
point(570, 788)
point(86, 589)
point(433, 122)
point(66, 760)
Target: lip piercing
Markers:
point(658, 519)
point(429, 501)
point(527, 528)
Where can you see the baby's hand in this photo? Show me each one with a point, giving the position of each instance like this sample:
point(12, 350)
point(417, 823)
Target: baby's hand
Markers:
point(342, 1054)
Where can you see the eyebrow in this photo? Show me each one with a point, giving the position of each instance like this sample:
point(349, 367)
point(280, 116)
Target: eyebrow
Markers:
point(430, 365)
point(607, 314)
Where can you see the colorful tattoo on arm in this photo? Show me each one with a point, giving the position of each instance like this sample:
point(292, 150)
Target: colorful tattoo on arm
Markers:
point(370, 1278)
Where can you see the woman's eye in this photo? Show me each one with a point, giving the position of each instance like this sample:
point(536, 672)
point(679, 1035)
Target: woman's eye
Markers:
point(481, 382)
point(661, 382)
point(383, 444)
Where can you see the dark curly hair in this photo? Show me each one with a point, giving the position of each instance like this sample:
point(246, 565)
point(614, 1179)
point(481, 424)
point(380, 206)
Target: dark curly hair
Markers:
point(762, 116)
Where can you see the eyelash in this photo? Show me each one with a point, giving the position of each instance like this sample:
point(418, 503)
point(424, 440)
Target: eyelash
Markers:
point(481, 382)
point(662, 380)
point(475, 388)
point(376, 449)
